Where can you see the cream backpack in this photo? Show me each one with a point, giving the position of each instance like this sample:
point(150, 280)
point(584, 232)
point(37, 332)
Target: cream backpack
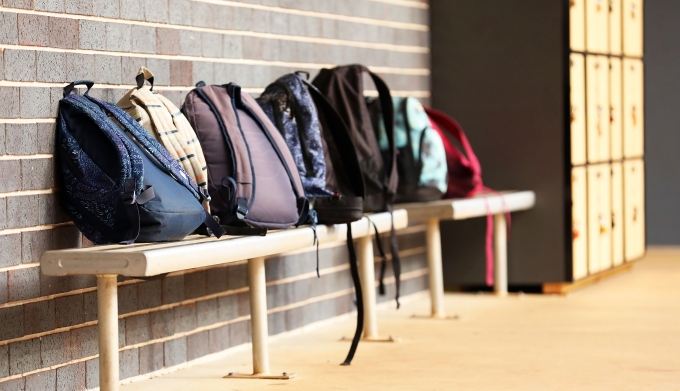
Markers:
point(166, 123)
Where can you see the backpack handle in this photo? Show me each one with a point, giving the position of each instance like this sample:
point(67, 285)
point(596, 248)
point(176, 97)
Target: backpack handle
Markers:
point(69, 88)
point(144, 75)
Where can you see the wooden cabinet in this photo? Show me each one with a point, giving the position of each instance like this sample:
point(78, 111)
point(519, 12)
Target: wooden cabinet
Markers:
point(617, 213)
point(615, 32)
point(633, 108)
point(632, 28)
point(597, 26)
point(599, 218)
point(634, 209)
point(579, 221)
point(615, 108)
point(577, 73)
point(597, 113)
point(577, 25)
point(574, 100)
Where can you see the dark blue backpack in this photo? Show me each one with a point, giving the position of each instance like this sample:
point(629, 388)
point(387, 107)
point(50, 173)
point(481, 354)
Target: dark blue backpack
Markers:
point(120, 184)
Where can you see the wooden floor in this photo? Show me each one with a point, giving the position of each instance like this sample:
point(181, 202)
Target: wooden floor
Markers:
point(620, 334)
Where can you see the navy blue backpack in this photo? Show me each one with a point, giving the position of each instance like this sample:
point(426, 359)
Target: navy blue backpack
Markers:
point(120, 184)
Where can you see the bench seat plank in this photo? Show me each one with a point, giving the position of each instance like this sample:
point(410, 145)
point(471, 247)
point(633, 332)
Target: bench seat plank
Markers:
point(466, 208)
point(151, 259)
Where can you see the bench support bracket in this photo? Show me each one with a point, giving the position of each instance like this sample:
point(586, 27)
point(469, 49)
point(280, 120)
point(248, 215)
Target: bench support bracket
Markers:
point(107, 302)
point(258, 323)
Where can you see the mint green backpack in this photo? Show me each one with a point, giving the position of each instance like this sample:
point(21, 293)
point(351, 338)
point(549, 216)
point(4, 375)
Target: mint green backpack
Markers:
point(421, 158)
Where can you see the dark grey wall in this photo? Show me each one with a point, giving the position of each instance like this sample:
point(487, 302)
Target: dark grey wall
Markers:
point(662, 134)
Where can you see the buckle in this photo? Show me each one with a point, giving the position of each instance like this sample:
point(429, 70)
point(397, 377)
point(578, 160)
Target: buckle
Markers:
point(128, 198)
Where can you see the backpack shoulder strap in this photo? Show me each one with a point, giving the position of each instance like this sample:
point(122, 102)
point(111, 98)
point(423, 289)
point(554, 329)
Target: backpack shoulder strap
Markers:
point(341, 138)
point(387, 108)
point(452, 127)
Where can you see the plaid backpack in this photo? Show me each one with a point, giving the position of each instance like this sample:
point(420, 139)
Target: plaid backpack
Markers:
point(121, 185)
point(168, 125)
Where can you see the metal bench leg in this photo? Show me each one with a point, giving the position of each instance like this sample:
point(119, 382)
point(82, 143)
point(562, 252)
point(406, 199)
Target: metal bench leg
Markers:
point(500, 254)
point(366, 262)
point(258, 322)
point(434, 261)
point(107, 303)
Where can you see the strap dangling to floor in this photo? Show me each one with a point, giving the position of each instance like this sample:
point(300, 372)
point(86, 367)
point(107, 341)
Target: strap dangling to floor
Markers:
point(383, 265)
point(396, 261)
point(354, 269)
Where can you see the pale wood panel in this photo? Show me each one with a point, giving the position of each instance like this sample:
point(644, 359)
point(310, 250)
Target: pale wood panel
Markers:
point(632, 28)
point(578, 108)
point(577, 25)
point(597, 26)
point(634, 209)
point(599, 218)
point(615, 108)
point(617, 213)
point(597, 100)
point(615, 27)
point(579, 218)
point(633, 108)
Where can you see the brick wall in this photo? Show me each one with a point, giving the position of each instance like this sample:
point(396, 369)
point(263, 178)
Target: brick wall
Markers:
point(48, 328)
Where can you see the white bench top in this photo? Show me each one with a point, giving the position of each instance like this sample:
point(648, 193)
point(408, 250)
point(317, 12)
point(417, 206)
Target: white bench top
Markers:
point(151, 259)
point(466, 208)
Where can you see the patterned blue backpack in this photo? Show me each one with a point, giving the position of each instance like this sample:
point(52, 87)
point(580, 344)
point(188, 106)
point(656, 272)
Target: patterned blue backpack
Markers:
point(120, 184)
point(325, 157)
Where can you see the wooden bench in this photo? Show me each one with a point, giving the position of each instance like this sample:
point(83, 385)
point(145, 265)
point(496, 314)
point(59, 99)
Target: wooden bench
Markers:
point(460, 209)
point(146, 260)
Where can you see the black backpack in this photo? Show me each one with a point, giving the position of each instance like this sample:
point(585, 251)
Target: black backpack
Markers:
point(343, 89)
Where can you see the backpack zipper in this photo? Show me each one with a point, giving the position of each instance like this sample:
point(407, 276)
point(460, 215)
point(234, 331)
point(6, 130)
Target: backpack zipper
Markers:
point(223, 129)
point(306, 157)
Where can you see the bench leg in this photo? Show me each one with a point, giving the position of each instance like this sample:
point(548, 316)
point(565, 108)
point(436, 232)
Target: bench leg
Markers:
point(434, 261)
point(500, 255)
point(366, 262)
point(258, 323)
point(107, 303)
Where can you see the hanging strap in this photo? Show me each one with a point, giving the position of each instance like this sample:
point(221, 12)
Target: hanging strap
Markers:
point(381, 251)
point(489, 233)
point(130, 203)
point(354, 270)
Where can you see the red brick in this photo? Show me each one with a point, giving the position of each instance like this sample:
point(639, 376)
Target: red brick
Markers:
point(24, 283)
point(24, 356)
point(64, 33)
point(69, 310)
point(39, 317)
point(55, 349)
point(181, 73)
point(33, 30)
point(25, 4)
point(71, 377)
point(167, 41)
point(34, 244)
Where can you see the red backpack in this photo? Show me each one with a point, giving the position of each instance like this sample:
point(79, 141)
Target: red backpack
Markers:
point(465, 174)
